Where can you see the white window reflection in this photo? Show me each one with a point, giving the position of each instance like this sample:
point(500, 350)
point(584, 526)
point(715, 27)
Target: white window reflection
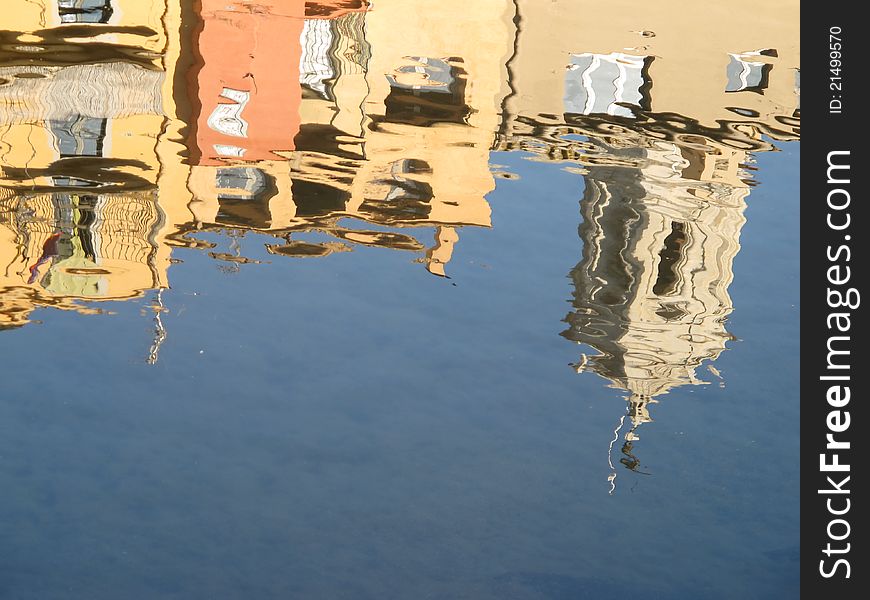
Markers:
point(227, 118)
point(316, 67)
point(748, 71)
point(603, 83)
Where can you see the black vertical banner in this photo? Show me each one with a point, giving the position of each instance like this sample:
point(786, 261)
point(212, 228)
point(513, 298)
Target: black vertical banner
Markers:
point(833, 220)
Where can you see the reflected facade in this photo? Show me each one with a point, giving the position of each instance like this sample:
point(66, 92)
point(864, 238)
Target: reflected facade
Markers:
point(128, 128)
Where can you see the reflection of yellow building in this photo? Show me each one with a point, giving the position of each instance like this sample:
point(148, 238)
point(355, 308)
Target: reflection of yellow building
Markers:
point(94, 116)
point(439, 91)
point(79, 127)
point(80, 93)
point(129, 28)
point(701, 67)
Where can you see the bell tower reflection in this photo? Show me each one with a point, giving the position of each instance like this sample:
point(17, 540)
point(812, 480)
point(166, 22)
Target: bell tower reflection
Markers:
point(660, 227)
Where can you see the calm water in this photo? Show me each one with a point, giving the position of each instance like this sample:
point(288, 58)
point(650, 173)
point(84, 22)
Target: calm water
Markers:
point(355, 300)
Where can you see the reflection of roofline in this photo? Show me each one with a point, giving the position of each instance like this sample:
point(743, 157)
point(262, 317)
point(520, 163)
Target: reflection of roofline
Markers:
point(675, 128)
point(322, 223)
point(330, 13)
point(325, 225)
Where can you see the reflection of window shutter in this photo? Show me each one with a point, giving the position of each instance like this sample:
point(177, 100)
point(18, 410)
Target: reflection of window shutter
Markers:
point(746, 74)
point(227, 118)
point(602, 83)
point(316, 64)
point(430, 74)
point(79, 136)
point(426, 91)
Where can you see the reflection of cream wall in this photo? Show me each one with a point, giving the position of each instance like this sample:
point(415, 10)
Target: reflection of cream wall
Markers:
point(34, 15)
point(25, 144)
point(691, 45)
point(457, 154)
point(33, 146)
point(127, 95)
point(173, 195)
point(483, 38)
point(205, 206)
point(460, 177)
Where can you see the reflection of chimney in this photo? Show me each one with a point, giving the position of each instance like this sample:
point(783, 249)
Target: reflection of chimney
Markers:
point(440, 254)
point(659, 233)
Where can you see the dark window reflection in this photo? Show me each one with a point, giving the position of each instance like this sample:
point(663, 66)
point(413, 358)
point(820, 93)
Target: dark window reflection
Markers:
point(669, 259)
point(431, 91)
point(79, 136)
point(244, 194)
point(315, 199)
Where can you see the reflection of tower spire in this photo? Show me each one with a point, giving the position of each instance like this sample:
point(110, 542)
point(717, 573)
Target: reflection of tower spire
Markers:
point(612, 477)
point(660, 230)
point(159, 329)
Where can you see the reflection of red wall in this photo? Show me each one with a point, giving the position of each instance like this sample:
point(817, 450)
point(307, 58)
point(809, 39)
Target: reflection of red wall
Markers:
point(252, 47)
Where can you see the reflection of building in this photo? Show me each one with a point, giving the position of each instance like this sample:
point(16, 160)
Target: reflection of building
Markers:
point(680, 68)
point(661, 135)
point(125, 126)
point(660, 231)
point(389, 132)
point(245, 84)
point(79, 211)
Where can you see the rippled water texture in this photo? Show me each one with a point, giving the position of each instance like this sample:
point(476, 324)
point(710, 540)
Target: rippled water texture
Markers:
point(390, 299)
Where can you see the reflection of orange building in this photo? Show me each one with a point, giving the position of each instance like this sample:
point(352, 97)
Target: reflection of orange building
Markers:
point(246, 80)
point(247, 91)
point(245, 85)
point(393, 131)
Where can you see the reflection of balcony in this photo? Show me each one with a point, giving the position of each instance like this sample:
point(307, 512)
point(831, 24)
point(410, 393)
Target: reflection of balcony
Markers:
point(115, 90)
